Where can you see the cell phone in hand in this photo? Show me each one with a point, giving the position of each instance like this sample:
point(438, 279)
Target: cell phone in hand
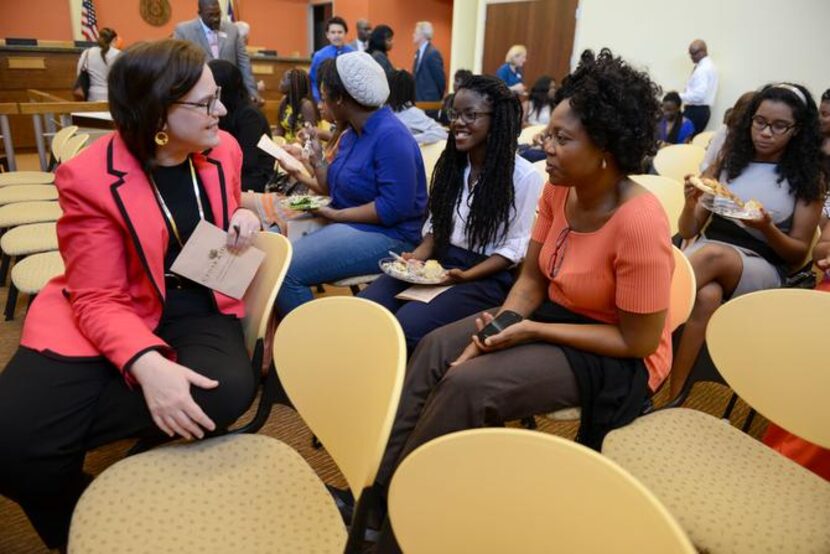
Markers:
point(500, 323)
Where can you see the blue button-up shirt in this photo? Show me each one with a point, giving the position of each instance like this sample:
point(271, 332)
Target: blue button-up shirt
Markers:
point(510, 77)
point(382, 165)
point(319, 57)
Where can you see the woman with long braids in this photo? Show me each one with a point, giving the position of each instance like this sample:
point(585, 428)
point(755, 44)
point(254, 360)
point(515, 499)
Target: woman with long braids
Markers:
point(296, 108)
point(773, 156)
point(585, 323)
point(481, 209)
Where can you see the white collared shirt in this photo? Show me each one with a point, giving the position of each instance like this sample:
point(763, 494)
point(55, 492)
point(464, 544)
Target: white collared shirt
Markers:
point(527, 186)
point(702, 85)
point(421, 50)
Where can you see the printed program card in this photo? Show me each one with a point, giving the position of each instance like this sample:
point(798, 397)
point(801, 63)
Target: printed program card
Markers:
point(206, 260)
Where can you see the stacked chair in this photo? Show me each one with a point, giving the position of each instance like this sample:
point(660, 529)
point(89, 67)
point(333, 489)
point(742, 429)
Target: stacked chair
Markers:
point(28, 210)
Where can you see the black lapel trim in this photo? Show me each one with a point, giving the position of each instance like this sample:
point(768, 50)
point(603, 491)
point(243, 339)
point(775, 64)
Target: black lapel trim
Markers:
point(222, 189)
point(122, 208)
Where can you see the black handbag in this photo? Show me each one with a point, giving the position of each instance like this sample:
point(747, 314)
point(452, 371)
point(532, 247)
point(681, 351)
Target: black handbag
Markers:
point(80, 90)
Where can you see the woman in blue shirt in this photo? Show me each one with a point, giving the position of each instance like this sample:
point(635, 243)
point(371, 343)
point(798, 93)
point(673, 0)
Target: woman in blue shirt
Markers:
point(673, 127)
point(511, 71)
point(377, 184)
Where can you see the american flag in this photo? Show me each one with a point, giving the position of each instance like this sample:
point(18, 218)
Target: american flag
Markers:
point(89, 23)
point(231, 14)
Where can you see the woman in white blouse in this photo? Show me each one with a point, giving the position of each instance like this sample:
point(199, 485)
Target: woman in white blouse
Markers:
point(482, 203)
point(97, 61)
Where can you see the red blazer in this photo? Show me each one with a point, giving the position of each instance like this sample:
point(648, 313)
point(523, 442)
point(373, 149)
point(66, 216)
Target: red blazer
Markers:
point(112, 237)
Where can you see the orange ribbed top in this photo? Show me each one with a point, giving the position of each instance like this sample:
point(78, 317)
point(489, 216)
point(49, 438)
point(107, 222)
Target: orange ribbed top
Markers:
point(626, 264)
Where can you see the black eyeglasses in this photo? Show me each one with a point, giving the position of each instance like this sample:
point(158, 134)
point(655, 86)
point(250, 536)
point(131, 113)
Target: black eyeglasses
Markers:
point(759, 123)
point(559, 250)
point(209, 104)
point(467, 116)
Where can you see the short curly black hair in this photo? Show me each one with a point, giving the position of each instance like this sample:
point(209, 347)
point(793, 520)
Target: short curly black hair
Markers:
point(800, 164)
point(618, 106)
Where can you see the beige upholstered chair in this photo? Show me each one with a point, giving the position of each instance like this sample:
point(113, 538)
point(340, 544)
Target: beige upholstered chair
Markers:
point(527, 134)
point(27, 193)
point(678, 160)
point(30, 275)
point(669, 192)
point(254, 494)
point(730, 492)
point(26, 178)
point(23, 213)
point(431, 153)
point(59, 140)
point(510, 490)
point(73, 146)
point(24, 240)
point(703, 139)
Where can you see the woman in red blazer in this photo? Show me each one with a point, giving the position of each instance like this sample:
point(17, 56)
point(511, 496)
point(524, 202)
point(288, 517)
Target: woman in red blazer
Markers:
point(119, 346)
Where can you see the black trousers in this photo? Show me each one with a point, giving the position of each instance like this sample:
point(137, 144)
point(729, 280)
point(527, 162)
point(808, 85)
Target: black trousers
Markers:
point(699, 116)
point(53, 410)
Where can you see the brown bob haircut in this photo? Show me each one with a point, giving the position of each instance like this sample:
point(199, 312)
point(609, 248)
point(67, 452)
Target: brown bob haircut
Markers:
point(143, 83)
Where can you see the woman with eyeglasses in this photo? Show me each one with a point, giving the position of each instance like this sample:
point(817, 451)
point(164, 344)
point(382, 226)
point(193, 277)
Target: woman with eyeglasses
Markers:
point(481, 208)
point(585, 323)
point(119, 346)
point(773, 155)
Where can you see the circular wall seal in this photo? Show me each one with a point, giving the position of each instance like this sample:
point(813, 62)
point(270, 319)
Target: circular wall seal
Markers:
point(155, 12)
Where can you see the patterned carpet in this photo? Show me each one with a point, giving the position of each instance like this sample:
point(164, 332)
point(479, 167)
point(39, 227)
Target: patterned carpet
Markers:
point(18, 537)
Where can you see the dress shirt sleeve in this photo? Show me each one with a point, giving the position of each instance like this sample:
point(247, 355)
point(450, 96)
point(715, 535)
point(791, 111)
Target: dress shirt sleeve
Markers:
point(528, 187)
point(396, 171)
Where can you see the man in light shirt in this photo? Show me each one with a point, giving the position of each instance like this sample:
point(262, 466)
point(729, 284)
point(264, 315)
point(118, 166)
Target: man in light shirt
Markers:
point(364, 29)
point(701, 87)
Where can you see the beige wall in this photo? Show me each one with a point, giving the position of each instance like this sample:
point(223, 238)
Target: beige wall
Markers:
point(752, 42)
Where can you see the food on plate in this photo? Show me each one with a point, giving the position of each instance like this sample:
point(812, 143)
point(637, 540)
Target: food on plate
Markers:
point(302, 202)
point(753, 206)
point(414, 271)
point(713, 186)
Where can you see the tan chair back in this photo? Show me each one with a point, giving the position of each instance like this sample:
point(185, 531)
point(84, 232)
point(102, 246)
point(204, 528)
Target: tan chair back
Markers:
point(72, 146)
point(770, 348)
point(511, 490)
point(703, 139)
point(60, 138)
point(341, 361)
point(262, 292)
point(431, 153)
point(683, 290)
point(678, 160)
point(527, 134)
point(669, 192)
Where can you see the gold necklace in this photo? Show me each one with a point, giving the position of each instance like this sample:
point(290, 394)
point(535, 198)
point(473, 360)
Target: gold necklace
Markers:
point(166, 211)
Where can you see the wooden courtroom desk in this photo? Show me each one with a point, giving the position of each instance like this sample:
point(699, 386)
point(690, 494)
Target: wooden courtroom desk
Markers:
point(51, 69)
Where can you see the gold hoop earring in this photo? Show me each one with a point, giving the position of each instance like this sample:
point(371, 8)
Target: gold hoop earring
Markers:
point(161, 138)
point(604, 163)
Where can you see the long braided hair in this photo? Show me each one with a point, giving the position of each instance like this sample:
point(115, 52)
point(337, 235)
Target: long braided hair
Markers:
point(492, 198)
point(299, 89)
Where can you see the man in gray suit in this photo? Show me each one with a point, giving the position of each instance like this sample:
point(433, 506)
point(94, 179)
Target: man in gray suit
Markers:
point(219, 39)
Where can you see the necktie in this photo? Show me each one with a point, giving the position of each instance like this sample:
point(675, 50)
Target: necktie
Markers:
point(213, 40)
point(417, 61)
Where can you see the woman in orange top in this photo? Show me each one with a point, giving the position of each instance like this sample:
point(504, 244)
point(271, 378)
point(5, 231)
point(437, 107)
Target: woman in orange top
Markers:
point(592, 297)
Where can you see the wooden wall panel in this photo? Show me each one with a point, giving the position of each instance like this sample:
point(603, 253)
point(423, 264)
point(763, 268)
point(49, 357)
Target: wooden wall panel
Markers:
point(545, 27)
point(58, 76)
